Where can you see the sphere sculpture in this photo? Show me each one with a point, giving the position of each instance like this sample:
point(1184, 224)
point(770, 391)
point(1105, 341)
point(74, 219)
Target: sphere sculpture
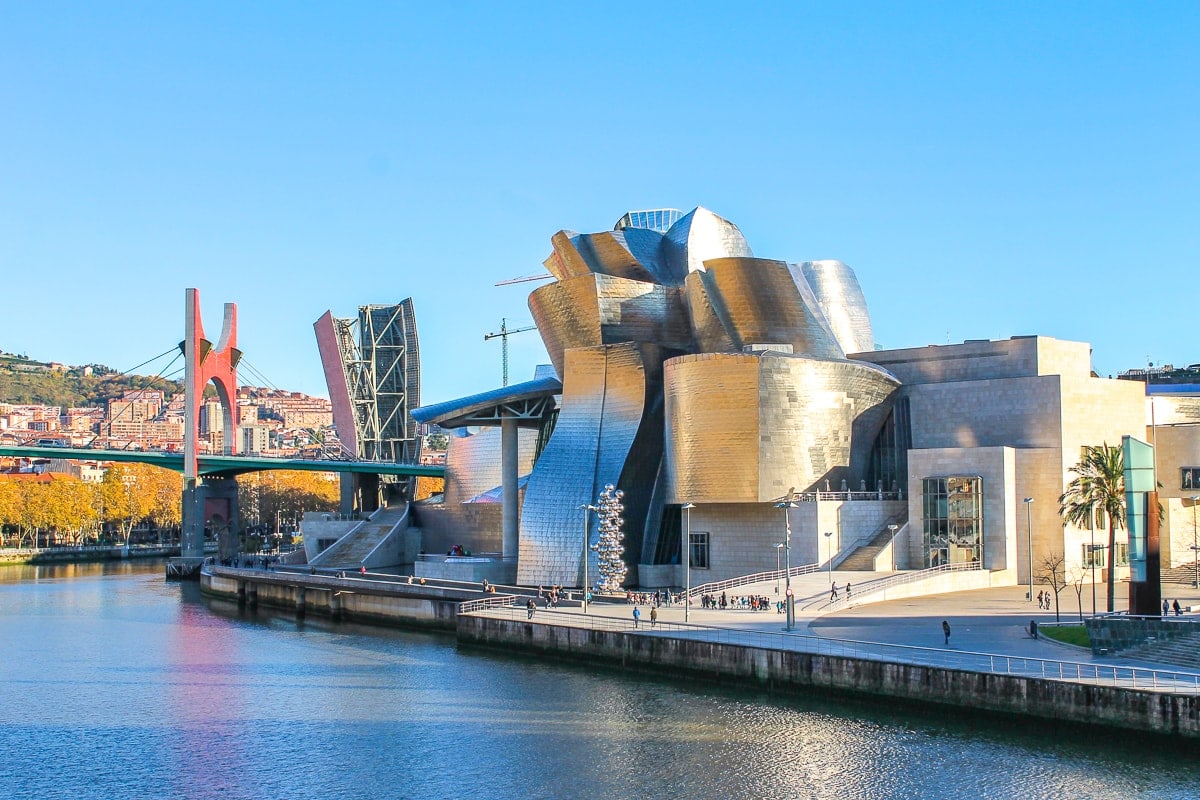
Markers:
point(609, 550)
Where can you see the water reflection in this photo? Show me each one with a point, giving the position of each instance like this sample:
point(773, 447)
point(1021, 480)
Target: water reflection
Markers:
point(134, 687)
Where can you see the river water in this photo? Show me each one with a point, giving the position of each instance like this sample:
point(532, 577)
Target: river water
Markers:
point(116, 684)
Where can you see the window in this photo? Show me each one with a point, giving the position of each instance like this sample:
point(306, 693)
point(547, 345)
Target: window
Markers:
point(1121, 554)
point(698, 551)
point(953, 520)
point(1190, 478)
point(1094, 556)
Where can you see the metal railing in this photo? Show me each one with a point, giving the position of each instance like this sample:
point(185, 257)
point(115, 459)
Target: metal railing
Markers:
point(877, 585)
point(495, 601)
point(1095, 673)
point(812, 497)
point(757, 577)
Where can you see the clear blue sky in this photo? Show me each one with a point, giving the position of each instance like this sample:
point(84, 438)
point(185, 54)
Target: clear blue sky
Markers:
point(987, 169)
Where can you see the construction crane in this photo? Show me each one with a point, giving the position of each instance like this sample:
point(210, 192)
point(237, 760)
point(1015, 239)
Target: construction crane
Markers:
point(503, 335)
point(525, 279)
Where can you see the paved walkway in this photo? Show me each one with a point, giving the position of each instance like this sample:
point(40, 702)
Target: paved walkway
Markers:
point(994, 621)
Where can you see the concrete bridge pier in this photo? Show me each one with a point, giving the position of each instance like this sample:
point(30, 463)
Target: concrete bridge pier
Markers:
point(210, 502)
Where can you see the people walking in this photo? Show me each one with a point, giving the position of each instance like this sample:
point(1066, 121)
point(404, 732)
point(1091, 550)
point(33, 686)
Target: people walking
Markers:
point(637, 616)
point(946, 632)
point(1166, 607)
point(847, 590)
point(1176, 607)
point(833, 595)
point(529, 607)
point(653, 617)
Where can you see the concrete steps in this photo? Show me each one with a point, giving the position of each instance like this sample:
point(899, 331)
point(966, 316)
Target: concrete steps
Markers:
point(1179, 651)
point(354, 547)
point(863, 559)
point(1184, 573)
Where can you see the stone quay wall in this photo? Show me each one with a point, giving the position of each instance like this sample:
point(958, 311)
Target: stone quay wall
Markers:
point(350, 599)
point(1114, 634)
point(1116, 707)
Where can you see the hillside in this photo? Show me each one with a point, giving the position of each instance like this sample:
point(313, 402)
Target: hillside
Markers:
point(24, 381)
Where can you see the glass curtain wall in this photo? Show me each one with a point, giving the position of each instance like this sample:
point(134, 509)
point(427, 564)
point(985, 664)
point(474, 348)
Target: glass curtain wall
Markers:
point(953, 515)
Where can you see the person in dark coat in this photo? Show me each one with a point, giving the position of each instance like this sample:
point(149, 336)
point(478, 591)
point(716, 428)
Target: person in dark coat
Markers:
point(946, 631)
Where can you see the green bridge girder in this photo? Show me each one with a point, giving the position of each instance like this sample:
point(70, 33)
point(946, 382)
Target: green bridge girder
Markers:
point(227, 465)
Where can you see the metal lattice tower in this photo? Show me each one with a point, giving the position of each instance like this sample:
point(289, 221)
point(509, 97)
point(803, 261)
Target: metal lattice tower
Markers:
point(381, 365)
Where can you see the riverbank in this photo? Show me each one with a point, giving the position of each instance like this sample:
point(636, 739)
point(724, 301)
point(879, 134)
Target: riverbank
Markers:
point(776, 669)
point(66, 555)
point(1116, 697)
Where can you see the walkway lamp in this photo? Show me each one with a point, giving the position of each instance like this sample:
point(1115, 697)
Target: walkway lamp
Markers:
point(686, 555)
point(1195, 545)
point(1029, 540)
point(586, 508)
point(787, 562)
point(778, 547)
point(892, 541)
point(829, 550)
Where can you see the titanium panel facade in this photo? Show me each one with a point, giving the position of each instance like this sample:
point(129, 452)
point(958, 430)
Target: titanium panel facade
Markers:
point(592, 310)
point(604, 392)
point(699, 236)
point(758, 302)
point(746, 428)
point(842, 302)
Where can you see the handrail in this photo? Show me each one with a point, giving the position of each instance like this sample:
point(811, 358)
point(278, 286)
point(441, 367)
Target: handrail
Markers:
point(1177, 681)
point(757, 577)
point(876, 585)
point(495, 601)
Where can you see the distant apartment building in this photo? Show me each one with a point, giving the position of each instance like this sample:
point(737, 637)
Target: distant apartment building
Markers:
point(136, 405)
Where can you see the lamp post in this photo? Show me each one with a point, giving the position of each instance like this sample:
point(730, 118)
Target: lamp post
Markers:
point(1092, 550)
point(686, 547)
point(1029, 541)
point(586, 508)
point(1195, 546)
point(787, 562)
point(892, 529)
point(778, 547)
point(829, 550)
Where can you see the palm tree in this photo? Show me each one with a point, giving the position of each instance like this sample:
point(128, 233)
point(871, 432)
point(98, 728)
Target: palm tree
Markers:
point(1096, 495)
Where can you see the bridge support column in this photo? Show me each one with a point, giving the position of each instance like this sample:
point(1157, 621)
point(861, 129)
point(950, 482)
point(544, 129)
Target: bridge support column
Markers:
point(210, 503)
point(510, 530)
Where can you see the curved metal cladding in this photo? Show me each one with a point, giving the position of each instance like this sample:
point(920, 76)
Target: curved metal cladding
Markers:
point(759, 301)
point(698, 236)
point(631, 254)
point(745, 428)
point(565, 261)
point(604, 392)
point(842, 302)
point(592, 310)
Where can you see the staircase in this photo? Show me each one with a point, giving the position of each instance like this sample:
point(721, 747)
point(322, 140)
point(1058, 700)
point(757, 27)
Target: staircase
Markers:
point(1180, 651)
point(1184, 573)
point(352, 549)
point(863, 558)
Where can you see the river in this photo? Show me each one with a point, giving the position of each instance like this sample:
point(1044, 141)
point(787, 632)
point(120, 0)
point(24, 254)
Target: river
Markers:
point(116, 684)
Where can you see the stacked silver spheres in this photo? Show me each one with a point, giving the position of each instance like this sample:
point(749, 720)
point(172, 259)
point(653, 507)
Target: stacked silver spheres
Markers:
point(609, 550)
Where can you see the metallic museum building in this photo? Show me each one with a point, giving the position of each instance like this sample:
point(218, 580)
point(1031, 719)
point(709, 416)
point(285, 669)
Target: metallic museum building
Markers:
point(687, 371)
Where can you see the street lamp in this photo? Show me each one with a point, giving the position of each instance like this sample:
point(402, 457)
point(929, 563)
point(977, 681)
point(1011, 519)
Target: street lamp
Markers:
point(586, 508)
point(778, 547)
point(1195, 546)
point(686, 547)
point(1029, 541)
point(892, 529)
point(829, 552)
point(787, 562)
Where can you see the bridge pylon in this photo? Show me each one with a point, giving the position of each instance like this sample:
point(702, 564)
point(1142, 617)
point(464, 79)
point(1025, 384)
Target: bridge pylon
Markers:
point(209, 502)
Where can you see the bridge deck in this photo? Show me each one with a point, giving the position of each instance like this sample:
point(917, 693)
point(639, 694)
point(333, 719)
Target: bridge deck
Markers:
point(226, 465)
